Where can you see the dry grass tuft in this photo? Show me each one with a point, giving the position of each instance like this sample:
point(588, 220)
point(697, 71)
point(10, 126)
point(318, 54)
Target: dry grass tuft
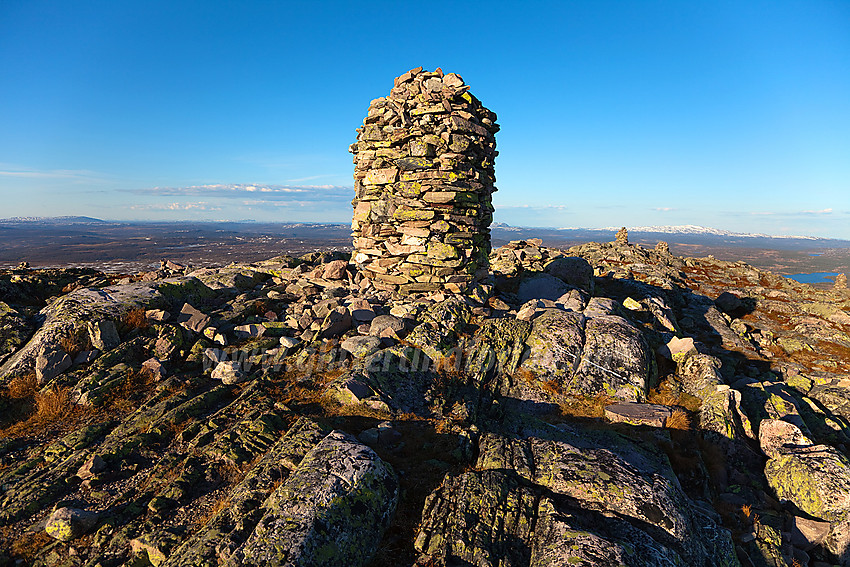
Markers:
point(662, 397)
point(747, 510)
point(53, 405)
point(666, 394)
point(128, 396)
point(75, 341)
point(571, 405)
point(28, 545)
point(679, 420)
point(23, 386)
point(135, 319)
point(587, 406)
point(34, 412)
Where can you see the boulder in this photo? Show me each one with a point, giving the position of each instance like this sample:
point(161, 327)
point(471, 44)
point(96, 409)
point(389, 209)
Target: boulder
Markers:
point(573, 270)
point(335, 270)
point(50, 364)
point(93, 465)
point(337, 321)
point(676, 348)
point(385, 326)
point(192, 319)
point(66, 524)
point(568, 497)
point(360, 347)
point(633, 413)
point(400, 378)
point(249, 331)
point(777, 437)
point(91, 304)
point(615, 359)
point(815, 478)
point(229, 372)
point(103, 335)
point(728, 303)
point(541, 286)
point(155, 368)
point(497, 348)
point(721, 413)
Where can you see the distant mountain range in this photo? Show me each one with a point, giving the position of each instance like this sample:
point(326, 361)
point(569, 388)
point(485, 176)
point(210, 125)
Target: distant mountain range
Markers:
point(52, 220)
point(687, 231)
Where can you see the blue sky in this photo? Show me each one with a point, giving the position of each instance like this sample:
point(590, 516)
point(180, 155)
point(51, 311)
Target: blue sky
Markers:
point(733, 115)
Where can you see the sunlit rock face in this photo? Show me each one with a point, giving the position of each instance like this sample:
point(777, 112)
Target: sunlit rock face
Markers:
point(423, 179)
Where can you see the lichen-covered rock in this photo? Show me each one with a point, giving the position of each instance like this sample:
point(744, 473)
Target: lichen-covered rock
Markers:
point(721, 413)
point(835, 397)
point(605, 473)
point(360, 347)
point(815, 478)
point(572, 270)
point(217, 540)
point(103, 334)
point(772, 401)
point(481, 518)
point(66, 524)
point(14, 330)
point(604, 354)
point(331, 511)
point(574, 498)
point(86, 304)
point(441, 323)
point(497, 348)
point(400, 378)
point(700, 374)
point(616, 359)
point(577, 538)
point(555, 345)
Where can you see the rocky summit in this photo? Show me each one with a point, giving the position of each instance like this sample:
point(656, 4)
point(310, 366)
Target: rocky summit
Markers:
point(602, 405)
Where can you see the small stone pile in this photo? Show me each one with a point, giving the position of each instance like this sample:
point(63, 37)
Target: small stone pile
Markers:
point(423, 180)
point(622, 236)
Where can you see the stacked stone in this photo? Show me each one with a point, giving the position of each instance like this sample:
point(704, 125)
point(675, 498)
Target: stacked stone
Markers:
point(423, 180)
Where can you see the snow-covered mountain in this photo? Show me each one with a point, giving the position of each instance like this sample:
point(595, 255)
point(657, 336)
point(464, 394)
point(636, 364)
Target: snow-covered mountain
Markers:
point(694, 229)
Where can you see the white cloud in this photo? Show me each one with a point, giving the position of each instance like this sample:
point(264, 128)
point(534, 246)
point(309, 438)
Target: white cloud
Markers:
point(533, 207)
point(176, 207)
point(78, 175)
point(264, 192)
point(663, 209)
point(791, 213)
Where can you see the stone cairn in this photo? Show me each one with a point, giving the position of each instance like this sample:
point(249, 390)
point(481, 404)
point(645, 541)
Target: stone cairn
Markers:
point(423, 180)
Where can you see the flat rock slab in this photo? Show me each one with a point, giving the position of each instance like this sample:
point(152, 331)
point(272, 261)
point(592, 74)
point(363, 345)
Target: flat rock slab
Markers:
point(332, 510)
point(633, 413)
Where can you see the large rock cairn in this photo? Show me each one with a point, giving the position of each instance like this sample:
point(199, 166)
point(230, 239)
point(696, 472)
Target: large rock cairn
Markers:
point(423, 180)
